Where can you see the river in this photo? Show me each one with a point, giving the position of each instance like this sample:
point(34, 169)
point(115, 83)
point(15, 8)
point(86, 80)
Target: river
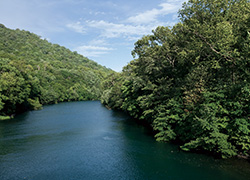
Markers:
point(84, 140)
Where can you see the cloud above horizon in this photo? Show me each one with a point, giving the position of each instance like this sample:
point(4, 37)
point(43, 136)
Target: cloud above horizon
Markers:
point(140, 24)
point(129, 29)
point(153, 14)
point(93, 51)
point(77, 27)
point(97, 29)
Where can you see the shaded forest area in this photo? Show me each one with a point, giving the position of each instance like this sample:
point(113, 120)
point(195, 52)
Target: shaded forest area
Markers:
point(191, 82)
point(34, 72)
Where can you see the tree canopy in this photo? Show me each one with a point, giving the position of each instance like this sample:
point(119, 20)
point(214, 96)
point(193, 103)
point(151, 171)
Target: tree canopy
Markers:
point(34, 72)
point(191, 82)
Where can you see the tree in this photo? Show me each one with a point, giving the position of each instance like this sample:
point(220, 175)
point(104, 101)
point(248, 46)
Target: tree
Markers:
point(35, 72)
point(191, 82)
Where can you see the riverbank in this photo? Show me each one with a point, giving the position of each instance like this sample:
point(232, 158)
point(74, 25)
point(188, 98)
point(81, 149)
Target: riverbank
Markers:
point(84, 140)
point(178, 142)
point(3, 118)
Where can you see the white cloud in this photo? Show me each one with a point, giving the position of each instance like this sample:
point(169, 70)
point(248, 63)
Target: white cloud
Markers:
point(96, 13)
point(152, 15)
point(93, 51)
point(168, 8)
point(144, 17)
point(95, 48)
point(99, 42)
point(113, 30)
point(77, 27)
point(136, 26)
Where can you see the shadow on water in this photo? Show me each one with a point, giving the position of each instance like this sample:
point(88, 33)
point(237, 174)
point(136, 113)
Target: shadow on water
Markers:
point(10, 131)
point(125, 119)
point(84, 140)
point(157, 160)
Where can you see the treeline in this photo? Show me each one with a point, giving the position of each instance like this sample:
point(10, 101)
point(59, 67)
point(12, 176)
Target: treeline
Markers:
point(191, 82)
point(34, 72)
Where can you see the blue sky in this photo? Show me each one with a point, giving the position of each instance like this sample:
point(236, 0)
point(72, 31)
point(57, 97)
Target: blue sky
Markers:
point(102, 30)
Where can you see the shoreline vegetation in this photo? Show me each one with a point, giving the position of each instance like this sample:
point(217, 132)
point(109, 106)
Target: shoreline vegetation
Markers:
point(190, 83)
point(34, 72)
point(3, 118)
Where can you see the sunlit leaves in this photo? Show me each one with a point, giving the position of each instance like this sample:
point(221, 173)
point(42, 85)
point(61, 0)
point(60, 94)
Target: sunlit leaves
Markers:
point(191, 81)
point(34, 72)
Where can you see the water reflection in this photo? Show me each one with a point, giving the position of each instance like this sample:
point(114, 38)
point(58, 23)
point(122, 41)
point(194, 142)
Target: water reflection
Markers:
point(156, 160)
point(84, 140)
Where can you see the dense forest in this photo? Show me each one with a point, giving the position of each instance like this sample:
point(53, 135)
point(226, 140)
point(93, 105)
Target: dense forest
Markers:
point(34, 72)
point(191, 82)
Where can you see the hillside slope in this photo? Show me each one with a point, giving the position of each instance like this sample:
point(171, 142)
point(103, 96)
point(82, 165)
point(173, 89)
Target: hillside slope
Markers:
point(35, 72)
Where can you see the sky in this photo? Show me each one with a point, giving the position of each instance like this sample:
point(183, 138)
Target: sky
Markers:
point(102, 30)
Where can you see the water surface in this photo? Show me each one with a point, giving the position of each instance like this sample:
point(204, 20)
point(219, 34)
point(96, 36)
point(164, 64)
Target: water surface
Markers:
point(84, 140)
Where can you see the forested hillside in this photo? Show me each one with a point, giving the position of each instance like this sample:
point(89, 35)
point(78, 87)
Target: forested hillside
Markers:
point(191, 82)
point(34, 72)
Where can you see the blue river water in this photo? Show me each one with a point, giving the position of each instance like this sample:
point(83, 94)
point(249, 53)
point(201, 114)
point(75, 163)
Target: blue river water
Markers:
point(84, 140)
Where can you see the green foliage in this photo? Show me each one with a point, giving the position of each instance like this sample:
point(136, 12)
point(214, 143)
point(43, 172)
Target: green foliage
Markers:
point(35, 72)
point(2, 118)
point(166, 120)
point(111, 97)
point(191, 82)
point(34, 104)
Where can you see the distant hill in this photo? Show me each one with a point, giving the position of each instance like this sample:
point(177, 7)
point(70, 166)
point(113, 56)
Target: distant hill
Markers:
point(34, 72)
